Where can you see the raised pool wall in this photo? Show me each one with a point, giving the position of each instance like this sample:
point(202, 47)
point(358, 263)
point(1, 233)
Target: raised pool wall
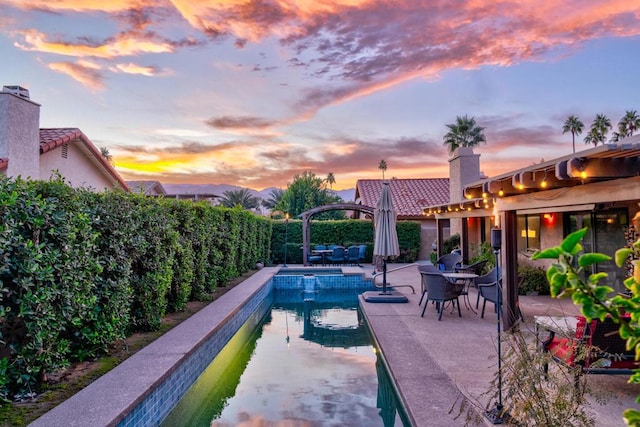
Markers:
point(143, 389)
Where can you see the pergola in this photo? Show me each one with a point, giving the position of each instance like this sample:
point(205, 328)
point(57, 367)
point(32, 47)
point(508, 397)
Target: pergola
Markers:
point(601, 176)
point(306, 222)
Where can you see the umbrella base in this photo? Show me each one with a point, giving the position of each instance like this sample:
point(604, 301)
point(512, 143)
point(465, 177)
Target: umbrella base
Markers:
point(389, 296)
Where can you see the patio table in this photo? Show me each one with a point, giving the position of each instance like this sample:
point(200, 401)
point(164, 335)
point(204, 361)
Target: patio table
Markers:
point(466, 279)
point(323, 253)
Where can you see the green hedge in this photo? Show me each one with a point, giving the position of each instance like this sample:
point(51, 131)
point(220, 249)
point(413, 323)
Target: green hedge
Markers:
point(80, 270)
point(343, 232)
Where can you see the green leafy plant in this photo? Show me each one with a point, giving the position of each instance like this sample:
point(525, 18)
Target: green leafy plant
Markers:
point(594, 299)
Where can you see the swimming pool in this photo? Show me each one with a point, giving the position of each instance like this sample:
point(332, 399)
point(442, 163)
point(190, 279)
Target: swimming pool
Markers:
point(310, 362)
point(143, 389)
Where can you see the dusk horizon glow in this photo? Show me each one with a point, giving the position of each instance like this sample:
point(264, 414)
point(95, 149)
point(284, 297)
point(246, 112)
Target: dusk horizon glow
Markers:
point(251, 93)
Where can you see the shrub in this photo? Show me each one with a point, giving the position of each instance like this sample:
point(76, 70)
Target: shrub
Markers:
point(532, 279)
point(451, 243)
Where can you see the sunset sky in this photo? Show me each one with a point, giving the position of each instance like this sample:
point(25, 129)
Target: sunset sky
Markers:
point(251, 93)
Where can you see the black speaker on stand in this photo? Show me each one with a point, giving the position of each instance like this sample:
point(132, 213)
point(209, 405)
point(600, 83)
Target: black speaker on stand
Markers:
point(498, 415)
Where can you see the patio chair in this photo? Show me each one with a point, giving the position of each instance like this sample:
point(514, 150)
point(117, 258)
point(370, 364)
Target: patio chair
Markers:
point(486, 279)
point(337, 257)
point(314, 259)
point(426, 268)
point(320, 247)
point(475, 268)
point(353, 253)
point(362, 253)
point(447, 262)
point(489, 292)
point(440, 290)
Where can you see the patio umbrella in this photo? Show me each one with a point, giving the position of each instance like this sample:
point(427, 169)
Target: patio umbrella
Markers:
point(386, 237)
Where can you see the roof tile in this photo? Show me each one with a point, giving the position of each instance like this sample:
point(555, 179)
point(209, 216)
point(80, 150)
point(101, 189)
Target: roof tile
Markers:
point(52, 138)
point(409, 196)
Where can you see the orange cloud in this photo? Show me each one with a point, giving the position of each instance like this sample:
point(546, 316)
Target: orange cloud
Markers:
point(125, 45)
point(75, 5)
point(132, 68)
point(85, 72)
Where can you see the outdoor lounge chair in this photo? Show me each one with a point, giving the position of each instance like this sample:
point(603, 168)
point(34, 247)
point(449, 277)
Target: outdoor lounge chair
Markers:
point(440, 290)
point(447, 262)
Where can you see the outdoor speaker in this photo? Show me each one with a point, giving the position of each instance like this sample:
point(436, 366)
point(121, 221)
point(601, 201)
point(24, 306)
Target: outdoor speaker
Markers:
point(496, 238)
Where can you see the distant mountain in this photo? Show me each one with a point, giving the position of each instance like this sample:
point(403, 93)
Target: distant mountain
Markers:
point(218, 189)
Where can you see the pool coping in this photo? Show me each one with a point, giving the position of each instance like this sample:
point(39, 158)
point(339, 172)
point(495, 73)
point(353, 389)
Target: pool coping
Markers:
point(110, 398)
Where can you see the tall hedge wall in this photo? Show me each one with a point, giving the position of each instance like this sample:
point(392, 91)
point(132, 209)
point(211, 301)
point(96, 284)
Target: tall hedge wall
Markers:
point(79, 269)
point(345, 233)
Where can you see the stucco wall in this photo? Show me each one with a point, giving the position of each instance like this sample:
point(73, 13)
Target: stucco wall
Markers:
point(428, 235)
point(20, 135)
point(77, 169)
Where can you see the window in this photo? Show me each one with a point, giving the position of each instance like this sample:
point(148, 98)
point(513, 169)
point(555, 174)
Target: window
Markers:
point(528, 233)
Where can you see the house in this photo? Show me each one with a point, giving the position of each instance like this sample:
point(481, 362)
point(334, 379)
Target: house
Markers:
point(34, 153)
point(537, 206)
point(156, 189)
point(148, 188)
point(409, 198)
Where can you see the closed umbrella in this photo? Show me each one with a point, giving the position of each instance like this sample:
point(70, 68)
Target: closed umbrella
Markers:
point(386, 236)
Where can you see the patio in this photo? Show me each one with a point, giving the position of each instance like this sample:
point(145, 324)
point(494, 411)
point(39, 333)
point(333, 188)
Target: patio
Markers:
point(434, 362)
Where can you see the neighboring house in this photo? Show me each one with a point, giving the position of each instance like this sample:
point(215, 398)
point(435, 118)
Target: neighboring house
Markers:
point(38, 154)
point(155, 189)
point(537, 206)
point(409, 197)
point(148, 188)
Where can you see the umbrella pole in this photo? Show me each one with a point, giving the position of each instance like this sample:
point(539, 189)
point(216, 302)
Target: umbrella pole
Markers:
point(384, 275)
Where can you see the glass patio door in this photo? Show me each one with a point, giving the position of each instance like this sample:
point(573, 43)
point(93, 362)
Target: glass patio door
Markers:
point(606, 235)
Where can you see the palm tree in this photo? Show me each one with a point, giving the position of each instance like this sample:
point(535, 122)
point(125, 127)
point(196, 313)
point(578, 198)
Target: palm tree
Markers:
point(331, 179)
point(106, 154)
point(242, 197)
point(382, 166)
point(274, 198)
point(575, 126)
point(628, 124)
point(464, 133)
point(599, 129)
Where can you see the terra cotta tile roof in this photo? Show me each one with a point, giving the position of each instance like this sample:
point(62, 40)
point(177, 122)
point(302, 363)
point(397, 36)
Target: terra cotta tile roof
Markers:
point(146, 187)
point(409, 196)
point(51, 138)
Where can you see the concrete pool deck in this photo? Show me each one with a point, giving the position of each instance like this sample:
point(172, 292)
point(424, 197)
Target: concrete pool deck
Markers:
point(434, 363)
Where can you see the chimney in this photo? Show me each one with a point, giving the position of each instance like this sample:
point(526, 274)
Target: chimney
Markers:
point(19, 132)
point(464, 168)
point(17, 90)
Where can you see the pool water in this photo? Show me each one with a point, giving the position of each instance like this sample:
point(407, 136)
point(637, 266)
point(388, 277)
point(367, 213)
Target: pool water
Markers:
point(308, 363)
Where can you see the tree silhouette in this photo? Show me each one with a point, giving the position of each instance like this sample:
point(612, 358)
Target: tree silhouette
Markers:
point(575, 126)
point(382, 166)
point(242, 197)
point(465, 132)
point(331, 179)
